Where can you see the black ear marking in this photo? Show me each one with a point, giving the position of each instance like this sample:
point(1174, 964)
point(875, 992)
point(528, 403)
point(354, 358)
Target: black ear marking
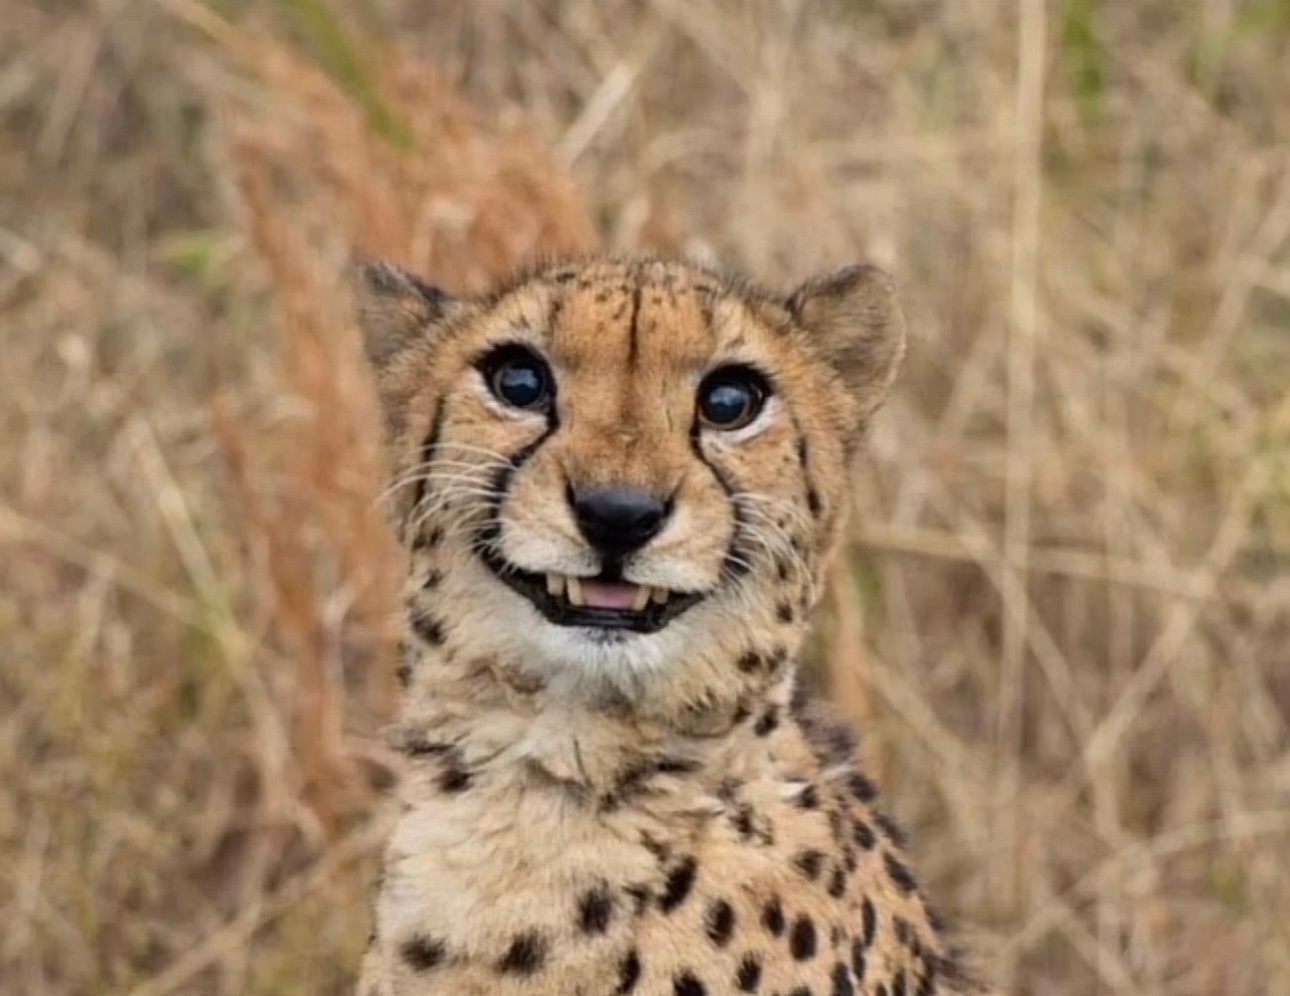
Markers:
point(394, 308)
point(854, 320)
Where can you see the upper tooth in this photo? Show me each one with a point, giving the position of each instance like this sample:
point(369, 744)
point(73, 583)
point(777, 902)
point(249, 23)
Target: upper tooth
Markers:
point(659, 595)
point(575, 590)
point(642, 597)
point(555, 584)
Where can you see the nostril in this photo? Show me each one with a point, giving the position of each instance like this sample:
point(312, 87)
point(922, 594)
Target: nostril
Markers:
point(618, 520)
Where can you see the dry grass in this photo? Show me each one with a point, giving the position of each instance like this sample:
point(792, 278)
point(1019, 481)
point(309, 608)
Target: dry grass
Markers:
point(1069, 569)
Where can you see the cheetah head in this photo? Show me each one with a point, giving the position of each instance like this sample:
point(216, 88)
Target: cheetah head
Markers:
point(613, 467)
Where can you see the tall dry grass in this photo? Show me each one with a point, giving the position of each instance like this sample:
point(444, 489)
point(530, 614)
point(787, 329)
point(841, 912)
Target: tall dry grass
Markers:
point(1065, 615)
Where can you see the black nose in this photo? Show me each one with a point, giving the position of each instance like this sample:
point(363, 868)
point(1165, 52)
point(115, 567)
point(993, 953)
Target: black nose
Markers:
point(618, 520)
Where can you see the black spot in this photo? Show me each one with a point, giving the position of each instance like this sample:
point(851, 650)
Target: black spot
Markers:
point(869, 920)
point(849, 860)
point(428, 628)
point(778, 657)
point(837, 883)
point(861, 787)
point(525, 955)
point(767, 722)
point(842, 985)
point(404, 673)
point(889, 826)
point(686, 984)
point(454, 778)
point(720, 922)
point(783, 568)
point(428, 540)
point(635, 776)
point(422, 953)
point(859, 961)
point(903, 931)
point(898, 985)
point(679, 882)
point(809, 862)
point(742, 820)
point(784, 612)
point(741, 713)
point(813, 501)
point(927, 984)
point(809, 798)
point(749, 662)
point(772, 915)
point(801, 940)
point(675, 766)
point(881, 990)
point(412, 744)
point(433, 579)
point(629, 973)
point(900, 874)
point(749, 974)
point(801, 991)
point(640, 897)
point(595, 910)
point(864, 835)
point(655, 847)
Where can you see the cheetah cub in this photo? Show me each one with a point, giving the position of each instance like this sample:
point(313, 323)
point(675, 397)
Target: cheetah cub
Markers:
point(619, 483)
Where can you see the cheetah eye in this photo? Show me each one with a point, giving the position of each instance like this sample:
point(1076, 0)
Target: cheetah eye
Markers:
point(731, 397)
point(518, 377)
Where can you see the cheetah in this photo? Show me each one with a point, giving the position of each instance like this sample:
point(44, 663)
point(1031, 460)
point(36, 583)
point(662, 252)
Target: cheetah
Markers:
point(619, 482)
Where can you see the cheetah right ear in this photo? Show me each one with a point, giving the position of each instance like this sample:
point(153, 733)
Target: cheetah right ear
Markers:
point(853, 318)
point(394, 309)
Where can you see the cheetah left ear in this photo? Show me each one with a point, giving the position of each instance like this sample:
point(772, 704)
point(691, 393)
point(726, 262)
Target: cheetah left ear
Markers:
point(853, 318)
point(395, 308)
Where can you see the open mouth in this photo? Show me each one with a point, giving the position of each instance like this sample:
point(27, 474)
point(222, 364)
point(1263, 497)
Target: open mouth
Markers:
point(604, 602)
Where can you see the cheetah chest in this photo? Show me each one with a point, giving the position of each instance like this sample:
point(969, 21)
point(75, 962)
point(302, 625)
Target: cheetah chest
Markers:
point(770, 887)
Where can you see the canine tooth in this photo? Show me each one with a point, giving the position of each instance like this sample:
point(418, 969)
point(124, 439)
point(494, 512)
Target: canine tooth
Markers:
point(555, 584)
point(641, 600)
point(659, 595)
point(575, 591)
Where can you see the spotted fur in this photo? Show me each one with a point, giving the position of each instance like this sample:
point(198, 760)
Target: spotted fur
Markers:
point(590, 813)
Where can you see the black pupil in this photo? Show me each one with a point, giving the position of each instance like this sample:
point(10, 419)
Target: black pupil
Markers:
point(521, 383)
point(727, 403)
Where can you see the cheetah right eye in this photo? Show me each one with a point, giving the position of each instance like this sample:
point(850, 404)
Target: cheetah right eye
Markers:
point(519, 378)
point(731, 397)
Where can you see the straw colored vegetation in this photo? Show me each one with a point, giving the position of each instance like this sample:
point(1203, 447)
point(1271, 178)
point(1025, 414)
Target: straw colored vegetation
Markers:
point(1064, 621)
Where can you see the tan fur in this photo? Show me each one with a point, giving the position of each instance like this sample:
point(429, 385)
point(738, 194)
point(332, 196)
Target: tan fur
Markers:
point(584, 818)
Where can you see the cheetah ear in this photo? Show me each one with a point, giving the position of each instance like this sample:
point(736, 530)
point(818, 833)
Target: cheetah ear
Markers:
point(853, 318)
point(394, 310)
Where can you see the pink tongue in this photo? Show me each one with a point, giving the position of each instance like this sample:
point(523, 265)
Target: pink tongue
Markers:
point(608, 594)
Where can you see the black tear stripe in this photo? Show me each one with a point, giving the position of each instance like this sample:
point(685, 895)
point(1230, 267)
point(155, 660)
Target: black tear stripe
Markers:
point(736, 562)
point(428, 447)
point(487, 535)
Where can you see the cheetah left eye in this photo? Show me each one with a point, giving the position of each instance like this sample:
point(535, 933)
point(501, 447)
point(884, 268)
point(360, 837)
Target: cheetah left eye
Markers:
point(731, 397)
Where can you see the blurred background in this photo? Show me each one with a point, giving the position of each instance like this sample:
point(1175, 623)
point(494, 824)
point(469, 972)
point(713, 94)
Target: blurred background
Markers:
point(1063, 622)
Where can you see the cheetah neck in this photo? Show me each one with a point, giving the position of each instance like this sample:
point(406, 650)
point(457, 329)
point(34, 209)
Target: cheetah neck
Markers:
point(475, 724)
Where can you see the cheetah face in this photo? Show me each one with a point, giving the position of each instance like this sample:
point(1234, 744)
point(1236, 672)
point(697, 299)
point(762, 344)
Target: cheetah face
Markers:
point(614, 548)
point(622, 462)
